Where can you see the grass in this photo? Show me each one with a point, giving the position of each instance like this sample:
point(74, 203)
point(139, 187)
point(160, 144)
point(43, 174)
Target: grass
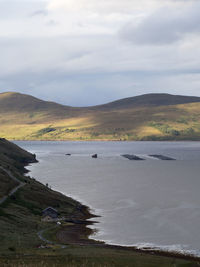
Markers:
point(89, 256)
point(134, 124)
point(28, 118)
point(6, 183)
point(20, 215)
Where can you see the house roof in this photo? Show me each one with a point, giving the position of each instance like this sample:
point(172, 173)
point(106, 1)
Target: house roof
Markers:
point(50, 209)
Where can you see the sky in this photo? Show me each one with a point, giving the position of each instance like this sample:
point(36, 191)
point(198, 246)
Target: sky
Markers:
point(89, 52)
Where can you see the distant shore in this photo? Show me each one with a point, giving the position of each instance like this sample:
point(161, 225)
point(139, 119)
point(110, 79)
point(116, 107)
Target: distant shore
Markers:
point(102, 140)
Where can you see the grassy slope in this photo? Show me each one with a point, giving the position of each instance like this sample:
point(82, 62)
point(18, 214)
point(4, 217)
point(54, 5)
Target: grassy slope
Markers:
point(6, 184)
point(56, 122)
point(20, 215)
point(23, 117)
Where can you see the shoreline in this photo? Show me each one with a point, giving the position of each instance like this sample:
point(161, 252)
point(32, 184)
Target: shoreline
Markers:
point(81, 229)
point(87, 220)
point(88, 215)
point(102, 140)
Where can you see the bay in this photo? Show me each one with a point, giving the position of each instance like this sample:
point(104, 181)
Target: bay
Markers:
point(149, 203)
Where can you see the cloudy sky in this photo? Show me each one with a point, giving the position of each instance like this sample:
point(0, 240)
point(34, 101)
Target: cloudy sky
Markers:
point(85, 52)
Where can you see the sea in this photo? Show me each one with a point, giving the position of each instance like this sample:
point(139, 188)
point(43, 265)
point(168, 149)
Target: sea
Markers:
point(150, 203)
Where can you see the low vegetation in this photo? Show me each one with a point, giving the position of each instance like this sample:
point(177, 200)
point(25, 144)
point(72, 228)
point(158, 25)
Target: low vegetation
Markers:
point(148, 117)
point(6, 184)
point(91, 257)
point(20, 214)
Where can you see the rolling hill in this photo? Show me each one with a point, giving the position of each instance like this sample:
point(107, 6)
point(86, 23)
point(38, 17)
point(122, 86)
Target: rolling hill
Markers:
point(145, 117)
point(148, 100)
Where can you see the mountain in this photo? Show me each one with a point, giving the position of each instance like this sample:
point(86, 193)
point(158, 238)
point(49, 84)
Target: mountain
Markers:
point(10, 102)
point(150, 100)
point(145, 117)
point(21, 108)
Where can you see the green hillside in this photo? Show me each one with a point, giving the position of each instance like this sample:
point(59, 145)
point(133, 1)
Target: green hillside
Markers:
point(146, 117)
point(12, 158)
point(20, 213)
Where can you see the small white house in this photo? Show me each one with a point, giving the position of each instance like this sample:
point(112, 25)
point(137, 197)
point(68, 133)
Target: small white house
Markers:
point(49, 215)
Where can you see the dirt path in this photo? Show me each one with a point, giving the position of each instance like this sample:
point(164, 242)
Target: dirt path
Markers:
point(14, 190)
point(40, 235)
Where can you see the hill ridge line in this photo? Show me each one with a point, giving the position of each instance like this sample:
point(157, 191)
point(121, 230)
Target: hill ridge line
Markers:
point(139, 98)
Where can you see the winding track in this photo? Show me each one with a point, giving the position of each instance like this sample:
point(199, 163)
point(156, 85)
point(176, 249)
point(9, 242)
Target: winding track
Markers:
point(14, 190)
point(40, 235)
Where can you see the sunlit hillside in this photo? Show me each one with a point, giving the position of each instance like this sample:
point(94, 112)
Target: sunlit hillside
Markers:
point(147, 117)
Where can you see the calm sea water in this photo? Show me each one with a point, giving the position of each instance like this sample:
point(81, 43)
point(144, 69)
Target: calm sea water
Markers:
point(150, 203)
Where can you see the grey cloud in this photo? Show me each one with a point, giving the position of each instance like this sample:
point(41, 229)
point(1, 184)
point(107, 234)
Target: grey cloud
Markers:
point(10, 9)
point(40, 12)
point(77, 67)
point(165, 26)
point(38, 54)
point(52, 23)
